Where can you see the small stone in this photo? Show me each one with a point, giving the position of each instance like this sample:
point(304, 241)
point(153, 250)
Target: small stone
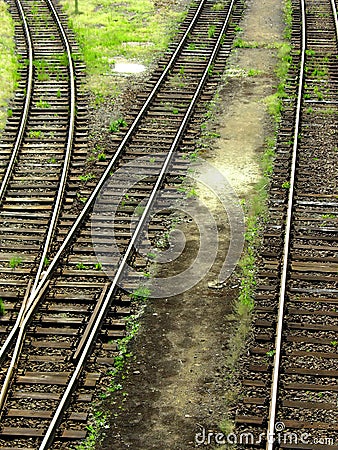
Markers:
point(215, 285)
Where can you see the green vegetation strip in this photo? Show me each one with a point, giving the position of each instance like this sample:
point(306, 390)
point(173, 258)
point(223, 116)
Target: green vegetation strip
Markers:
point(107, 29)
point(8, 62)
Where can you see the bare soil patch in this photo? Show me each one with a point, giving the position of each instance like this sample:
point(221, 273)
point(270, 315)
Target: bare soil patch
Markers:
point(175, 383)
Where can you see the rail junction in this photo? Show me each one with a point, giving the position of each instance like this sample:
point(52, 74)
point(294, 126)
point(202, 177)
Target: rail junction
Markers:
point(64, 315)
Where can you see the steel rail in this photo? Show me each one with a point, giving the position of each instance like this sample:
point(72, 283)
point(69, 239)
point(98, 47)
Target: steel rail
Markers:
point(58, 202)
point(130, 249)
point(5, 385)
point(286, 250)
point(24, 117)
point(334, 10)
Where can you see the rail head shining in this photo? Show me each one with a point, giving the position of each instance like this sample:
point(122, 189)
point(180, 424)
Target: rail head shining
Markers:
point(285, 262)
point(334, 12)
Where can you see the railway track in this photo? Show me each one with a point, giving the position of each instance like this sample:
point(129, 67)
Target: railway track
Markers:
point(289, 383)
point(56, 349)
point(46, 127)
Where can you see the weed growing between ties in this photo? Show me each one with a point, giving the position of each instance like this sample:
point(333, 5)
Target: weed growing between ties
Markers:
point(2, 307)
point(115, 125)
point(15, 262)
point(8, 63)
point(106, 29)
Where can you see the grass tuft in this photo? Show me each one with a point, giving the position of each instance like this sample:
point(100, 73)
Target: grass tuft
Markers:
point(8, 62)
point(2, 307)
point(15, 262)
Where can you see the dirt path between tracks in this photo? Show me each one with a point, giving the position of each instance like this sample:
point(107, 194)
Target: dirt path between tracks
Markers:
point(175, 383)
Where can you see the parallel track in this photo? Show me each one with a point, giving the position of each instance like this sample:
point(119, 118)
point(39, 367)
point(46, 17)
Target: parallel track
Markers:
point(75, 305)
point(289, 382)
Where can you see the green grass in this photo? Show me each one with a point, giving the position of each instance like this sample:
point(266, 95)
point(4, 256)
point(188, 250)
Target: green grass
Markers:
point(211, 31)
point(310, 52)
point(274, 101)
point(2, 307)
point(81, 266)
point(284, 61)
point(35, 134)
point(115, 125)
point(318, 93)
point(86, 177)
point(288, 19)
point(41, 67)
point(8, 62)
point(42, 104)
point(101, 157)
point(191, 46)
point(218, 6)
point(141, 294)
point(105, 29)
point(15, 262)
point(320, 73)
point(241, 43)
point(254, 72)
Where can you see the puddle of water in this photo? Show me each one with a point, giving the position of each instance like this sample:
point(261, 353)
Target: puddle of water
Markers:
point(127, 67)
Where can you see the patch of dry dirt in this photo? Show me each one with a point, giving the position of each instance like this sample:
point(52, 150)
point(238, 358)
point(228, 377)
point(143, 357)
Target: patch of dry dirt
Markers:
point(174, 384)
